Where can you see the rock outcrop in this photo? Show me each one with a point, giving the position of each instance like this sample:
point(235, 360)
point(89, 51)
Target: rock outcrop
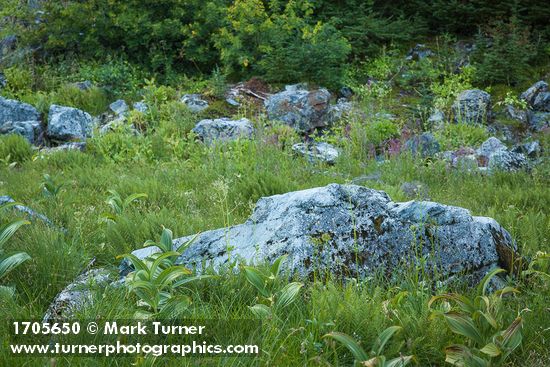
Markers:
point(354, 231)
point(323, 152)
point(223, 129)
point(472, 106)
point(194, 102)
point(67, 123)
point(299, 108)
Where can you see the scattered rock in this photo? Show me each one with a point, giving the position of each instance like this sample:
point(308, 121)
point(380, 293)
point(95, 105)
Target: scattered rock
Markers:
point(437, 117)
point(76, 146)
point(354, 231)
point(83, 86)
point(28, 211)
point(515, 114)
point(424, 145)
point(317, 151)
point(531, 94)
point(67, 123)
point(496, 156)
point(542, 102)
point(303, 110)
point(530, 149)
point(232, 102)
point(538, 121)
point(419, 52)
point(341, 108)
point(77, 295)
point(14, 111)
point(30, 130)
point(120, 108)
point(346, 92)
point(194, 102)
point(140, 106)
point(490, 147)
point(415, 190)
point(224, 129)
point(472, 107)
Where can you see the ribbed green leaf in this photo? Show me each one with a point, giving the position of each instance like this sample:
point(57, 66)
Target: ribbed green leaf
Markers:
point(491, 350)
point(276, 266)
point(463, 302)
point(383, 338)
point(260, 311)
point(463, 325)
point(399, 361)
point(482, 288)
point(358, 353)
point(257, 279)
point(288, 294)
point(11, 262)
point(9, 230)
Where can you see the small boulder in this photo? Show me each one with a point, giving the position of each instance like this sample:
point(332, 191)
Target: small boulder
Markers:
point(7, 45)
point(425, 145)
point(538, 121)
point(419, 52)
point(339, 110)
point(79, 146)
point(531, 94)
point(83, 86)
point(494, 155)
point(472, 107)
point(194, 102)
point(67, 123)
point(346, 92)
point(317, 152)
point(542, 102)
point(437, 117)
point(303, 110)
point(13, 111)
point(531, 149)
point(30, 130)
point(120, 108)
point(140, 106)
point(31, 214)
point(223, 129)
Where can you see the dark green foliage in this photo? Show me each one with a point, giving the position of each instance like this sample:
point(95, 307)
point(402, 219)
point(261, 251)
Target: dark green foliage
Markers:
point(504, 50)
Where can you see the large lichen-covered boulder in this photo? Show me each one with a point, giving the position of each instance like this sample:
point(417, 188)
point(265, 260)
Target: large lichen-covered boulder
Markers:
point(472, 106)
point(299, 108)
point(223, 129)
point(348, 230)
point(67, 123)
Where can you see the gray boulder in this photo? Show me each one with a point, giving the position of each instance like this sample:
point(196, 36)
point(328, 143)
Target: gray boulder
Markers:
point(84, 86)
point(531, 149)
point(14, 111)
point(425, 145)
point(7, 45)
point(542, 102)
point(323, 152)
point(303, 110)
point(194, 102)
point(531, 94)
point(67, 123)
point(354, 231)
point(119, 107)
point(472, 106)
point(419, 52)
point(78, 146)
point(77, 295)
point(436, 118)
point(31, 130)
point(538, 121)
point(340, 109)
point(140, 106)
point(223, 129)
point(496, 156)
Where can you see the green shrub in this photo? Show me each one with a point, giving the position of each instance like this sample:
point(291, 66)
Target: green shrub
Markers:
point(14, 148)
point(453, 136)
